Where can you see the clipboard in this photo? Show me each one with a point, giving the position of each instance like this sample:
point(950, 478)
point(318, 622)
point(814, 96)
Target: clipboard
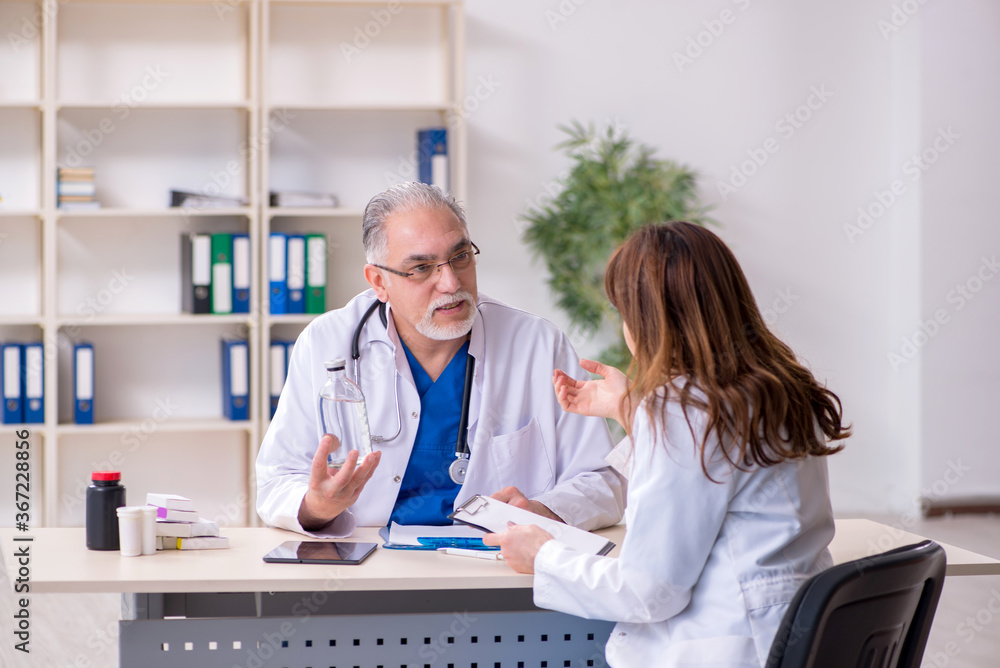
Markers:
point(492, 516)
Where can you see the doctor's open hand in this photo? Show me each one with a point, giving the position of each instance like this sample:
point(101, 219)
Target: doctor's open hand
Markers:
point(519, 545)
point(331, 492)
point(598, 398)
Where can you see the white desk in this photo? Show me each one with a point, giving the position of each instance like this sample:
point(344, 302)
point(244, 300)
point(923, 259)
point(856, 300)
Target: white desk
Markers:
point(470, 611)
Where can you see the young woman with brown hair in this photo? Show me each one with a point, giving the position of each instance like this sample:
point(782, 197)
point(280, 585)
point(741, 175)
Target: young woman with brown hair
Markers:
point(728, 507)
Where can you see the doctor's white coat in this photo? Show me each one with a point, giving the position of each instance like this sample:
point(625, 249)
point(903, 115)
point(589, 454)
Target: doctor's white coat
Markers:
point(518, 434)
point(706, 570)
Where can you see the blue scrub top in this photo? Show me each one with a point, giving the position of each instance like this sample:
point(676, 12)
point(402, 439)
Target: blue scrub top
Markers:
point(427, 493)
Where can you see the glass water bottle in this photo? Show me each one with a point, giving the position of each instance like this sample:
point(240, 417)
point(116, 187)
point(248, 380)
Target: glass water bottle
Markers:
point(343, 414)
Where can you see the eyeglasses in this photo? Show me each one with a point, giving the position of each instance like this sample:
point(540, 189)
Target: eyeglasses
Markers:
point(421, 272)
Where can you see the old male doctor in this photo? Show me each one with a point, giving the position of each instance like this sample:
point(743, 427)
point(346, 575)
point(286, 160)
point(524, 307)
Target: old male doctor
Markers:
point(524, 449)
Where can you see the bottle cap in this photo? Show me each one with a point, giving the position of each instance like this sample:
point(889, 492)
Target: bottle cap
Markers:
point(129, 511)
point(106, 475)
point(334, 365)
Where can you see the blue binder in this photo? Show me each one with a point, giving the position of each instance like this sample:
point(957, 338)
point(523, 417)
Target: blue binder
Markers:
point(279, 371)
point(10, 387)
point(34, 383)
point(277, 273)
point(241, 273)
point(432, 157)
point(83, 383)
point(235, 380)
point(296, 273)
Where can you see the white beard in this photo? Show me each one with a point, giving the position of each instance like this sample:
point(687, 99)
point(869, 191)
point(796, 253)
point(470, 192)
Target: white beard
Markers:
point(450, 331)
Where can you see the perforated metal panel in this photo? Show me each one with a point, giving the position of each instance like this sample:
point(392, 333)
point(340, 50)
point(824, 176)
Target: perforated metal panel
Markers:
point(448, 640)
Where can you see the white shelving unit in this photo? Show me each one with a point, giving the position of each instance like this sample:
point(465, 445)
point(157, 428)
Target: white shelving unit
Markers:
point(239, 97)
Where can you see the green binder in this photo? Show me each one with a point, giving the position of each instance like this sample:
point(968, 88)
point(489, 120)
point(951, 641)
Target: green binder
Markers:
point(222, 273)
point(315, 273)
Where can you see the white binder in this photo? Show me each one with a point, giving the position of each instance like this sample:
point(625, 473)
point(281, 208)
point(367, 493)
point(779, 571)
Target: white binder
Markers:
point(492, 515)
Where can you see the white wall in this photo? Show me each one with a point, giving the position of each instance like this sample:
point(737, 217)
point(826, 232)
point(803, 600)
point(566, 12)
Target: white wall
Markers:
point(845, 299)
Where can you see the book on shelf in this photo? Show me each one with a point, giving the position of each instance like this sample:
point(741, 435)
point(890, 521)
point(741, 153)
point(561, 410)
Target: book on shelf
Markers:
point(315, 273)
point(302, 199)
point(11, 387)
point(296, 277)
point(83, 383)
point(76, 189)
point(278, 360)
point(170, 501)
point(277, 272)
point(241, 273)
point(432, 157)
point(196, 273)
point(190, 200)
point(202, 527)
point(222, 273)
point(33, 384)
point(235, 379)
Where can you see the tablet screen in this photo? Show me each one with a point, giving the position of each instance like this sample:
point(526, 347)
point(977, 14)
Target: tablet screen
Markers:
point(319, 552)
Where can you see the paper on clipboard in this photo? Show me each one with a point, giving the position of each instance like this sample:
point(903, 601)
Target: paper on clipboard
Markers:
point(492, 515)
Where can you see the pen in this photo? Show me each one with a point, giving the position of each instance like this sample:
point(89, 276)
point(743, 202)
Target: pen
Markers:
point(475, 554)
point(460, 542)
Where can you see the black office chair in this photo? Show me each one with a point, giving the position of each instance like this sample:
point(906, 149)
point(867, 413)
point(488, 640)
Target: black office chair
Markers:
point(869, 613)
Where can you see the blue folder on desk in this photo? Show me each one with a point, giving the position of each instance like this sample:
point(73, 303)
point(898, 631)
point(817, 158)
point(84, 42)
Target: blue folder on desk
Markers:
point(10, 387)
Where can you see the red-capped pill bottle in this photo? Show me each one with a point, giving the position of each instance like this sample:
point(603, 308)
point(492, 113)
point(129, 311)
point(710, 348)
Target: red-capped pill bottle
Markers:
point(104, 496)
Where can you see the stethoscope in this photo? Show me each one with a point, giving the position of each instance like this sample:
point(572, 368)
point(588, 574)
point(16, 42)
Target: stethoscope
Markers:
point(460, 466)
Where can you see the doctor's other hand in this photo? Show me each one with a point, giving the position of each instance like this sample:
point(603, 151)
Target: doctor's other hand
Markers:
point(519, 545)
point(598, 398)
point(332, 491)
point(514, 497)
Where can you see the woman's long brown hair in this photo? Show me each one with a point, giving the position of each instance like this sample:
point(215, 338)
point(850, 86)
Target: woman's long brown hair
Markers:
point(692, 317)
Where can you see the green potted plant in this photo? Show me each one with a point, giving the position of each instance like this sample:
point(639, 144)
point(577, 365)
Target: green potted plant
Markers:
point(613, 187)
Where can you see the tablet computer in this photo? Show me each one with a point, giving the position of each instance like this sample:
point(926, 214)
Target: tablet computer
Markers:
point(319, 552)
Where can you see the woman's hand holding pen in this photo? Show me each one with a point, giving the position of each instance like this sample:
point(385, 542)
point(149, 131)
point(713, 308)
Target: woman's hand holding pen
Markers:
point(599, 398)
point(519, 545)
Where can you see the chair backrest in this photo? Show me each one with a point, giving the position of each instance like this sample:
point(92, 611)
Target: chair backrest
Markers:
point(869, 613)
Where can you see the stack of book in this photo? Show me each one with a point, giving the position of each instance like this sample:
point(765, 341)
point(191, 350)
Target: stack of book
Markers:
point(75, 188)
point(178, 526)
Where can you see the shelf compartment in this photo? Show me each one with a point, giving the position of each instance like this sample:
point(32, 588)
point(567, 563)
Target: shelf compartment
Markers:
point(345, 256)
point(126, 54)
point(20, 59)
point(21, 259)
point(138, 372)
point(127, 270)
point(20, 158)
point(354, 155)
point(403, 51)
point(139, 159)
